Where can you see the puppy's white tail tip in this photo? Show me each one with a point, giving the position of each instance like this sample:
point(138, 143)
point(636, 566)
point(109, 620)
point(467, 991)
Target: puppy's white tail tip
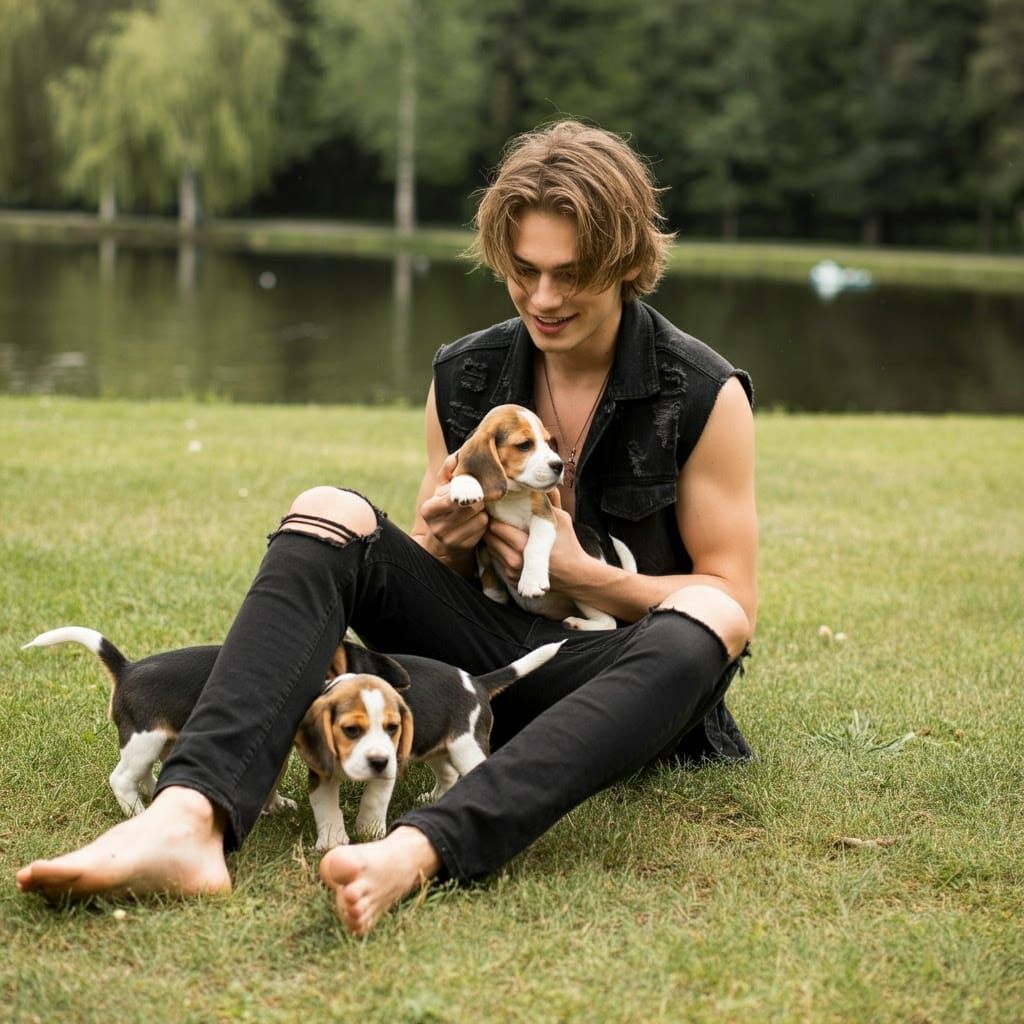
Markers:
point(68, 634)
point(528, 662)
point(626, 558)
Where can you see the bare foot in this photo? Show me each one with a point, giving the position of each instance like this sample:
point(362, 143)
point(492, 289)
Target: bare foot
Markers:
point(370, 878)
point(175, 846)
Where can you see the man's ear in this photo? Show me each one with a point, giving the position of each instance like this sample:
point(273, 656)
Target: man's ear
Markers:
point(478, 458)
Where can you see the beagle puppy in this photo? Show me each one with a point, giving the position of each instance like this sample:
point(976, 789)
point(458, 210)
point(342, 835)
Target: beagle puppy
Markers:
point(510, 464)
point(345, 731)
point(376, 713)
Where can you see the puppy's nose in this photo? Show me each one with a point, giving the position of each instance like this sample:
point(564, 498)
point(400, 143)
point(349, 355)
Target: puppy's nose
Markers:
point(377, 764)
point(557, 465)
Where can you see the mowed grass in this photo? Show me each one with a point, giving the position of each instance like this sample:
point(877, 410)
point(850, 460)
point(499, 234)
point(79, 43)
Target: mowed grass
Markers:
point(868, 867)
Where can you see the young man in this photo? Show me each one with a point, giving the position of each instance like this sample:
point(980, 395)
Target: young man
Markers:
point(657, 433)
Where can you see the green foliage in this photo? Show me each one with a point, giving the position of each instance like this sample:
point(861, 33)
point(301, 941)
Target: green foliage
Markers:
point(777, 117)
point(190, 87)
point(363, 49)
point(38, 40)
point(996, 92)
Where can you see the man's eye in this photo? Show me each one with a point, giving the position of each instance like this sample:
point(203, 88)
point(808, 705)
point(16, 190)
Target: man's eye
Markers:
point(524, 446)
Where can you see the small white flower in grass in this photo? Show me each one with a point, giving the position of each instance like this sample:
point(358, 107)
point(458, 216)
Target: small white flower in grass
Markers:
point(267, 280)
point(194, 446)
point(825, 632)
point(841, 638)
point(120, 914)
point(243, 492)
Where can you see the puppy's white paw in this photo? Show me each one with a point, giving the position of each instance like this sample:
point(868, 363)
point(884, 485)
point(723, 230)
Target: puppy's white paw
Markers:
point(465, 489)
point(371, 828)
point(533, 583)
point(577, 622)
point(278, 803)
point(329, 840)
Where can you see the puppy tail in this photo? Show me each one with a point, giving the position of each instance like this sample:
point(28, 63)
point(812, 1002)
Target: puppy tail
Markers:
point(501, 678)
point(113, 660)
point(626, 559)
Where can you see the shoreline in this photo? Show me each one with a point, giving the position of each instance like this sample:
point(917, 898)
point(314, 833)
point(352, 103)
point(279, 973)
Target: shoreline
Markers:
point(755, 258)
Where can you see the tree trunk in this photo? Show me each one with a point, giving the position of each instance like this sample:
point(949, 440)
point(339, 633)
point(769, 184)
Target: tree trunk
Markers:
point(871, 229)
point(188, 200)
point(731, 223)
point(108, 202)
point(405, 156)
point(986, 225)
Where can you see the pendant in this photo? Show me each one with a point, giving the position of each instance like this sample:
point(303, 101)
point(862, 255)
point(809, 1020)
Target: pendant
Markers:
point(570, 473)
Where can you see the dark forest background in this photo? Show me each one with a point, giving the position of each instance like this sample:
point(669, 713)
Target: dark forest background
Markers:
point(884, 121)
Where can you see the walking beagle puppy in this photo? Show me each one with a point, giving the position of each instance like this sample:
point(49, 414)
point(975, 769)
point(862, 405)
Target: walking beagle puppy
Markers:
point(376, 713)
point(510, 464)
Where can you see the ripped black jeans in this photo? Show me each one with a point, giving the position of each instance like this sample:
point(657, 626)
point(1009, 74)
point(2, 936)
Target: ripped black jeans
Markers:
point(608, 704)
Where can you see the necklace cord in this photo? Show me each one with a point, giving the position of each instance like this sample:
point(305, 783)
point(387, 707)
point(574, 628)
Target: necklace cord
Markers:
point(571, 459)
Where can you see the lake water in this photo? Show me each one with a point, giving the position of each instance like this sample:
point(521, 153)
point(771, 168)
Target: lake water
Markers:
point(158, 323)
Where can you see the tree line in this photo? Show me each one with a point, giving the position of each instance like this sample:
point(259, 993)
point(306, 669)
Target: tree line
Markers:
point(884, 120)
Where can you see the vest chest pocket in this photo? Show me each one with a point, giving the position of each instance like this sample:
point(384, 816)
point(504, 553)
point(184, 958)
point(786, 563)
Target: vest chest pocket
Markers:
point(638, 499)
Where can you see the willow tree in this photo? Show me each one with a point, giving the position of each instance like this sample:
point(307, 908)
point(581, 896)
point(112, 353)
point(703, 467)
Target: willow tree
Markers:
point(39, 39)
point(404, 79)
point(176, 98)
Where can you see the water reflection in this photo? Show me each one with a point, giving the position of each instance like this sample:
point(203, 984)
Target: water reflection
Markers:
point(143, 323)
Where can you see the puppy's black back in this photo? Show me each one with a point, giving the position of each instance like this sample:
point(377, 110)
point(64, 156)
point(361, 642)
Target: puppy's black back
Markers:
point(170, 681)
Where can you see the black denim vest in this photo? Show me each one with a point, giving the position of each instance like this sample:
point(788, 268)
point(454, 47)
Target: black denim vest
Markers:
point(662, 388)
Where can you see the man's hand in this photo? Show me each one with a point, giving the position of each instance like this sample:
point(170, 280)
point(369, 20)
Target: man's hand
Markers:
point(452, 529)
point(568, 559)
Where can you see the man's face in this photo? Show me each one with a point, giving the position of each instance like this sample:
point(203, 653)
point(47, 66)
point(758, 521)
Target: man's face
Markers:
point(560, 319)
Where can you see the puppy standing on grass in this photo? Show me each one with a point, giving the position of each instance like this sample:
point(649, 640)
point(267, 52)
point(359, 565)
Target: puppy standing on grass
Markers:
point(510, 464)
point(376, 713)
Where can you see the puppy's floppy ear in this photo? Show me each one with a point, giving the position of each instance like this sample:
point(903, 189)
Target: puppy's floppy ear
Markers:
point(362, 662)
point(339, 661)
point(315, 739)
point(478, 458)
point(405, 739)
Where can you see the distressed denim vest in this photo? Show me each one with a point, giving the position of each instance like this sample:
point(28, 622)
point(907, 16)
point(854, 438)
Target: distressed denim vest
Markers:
point(662, 388)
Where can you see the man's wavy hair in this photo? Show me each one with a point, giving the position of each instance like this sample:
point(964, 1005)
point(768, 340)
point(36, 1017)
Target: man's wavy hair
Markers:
point(596, 180)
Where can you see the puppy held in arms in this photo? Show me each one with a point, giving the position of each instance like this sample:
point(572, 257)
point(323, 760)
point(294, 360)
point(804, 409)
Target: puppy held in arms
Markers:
point(509, 463)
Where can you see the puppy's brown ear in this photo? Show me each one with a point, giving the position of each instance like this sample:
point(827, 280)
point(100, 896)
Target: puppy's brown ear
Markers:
point(405, 739)
point(478, 458)
point(315, 739)
point(370, 663)
point(339, 661)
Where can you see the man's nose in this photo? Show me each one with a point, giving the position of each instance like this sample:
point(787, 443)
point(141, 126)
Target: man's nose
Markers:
point(546, 294)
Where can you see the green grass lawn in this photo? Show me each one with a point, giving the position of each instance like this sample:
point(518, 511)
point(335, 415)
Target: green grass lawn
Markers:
point(726, 894)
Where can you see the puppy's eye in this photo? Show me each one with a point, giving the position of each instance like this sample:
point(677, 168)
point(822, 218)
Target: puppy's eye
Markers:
point(524, 446)
point(391, 728)
point(352, 732)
